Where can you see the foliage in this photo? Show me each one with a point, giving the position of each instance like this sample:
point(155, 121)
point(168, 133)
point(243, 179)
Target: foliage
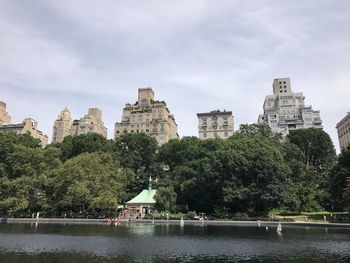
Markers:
point(165, 199)
point(72, 146)
point(137, 154)
point(253, 172)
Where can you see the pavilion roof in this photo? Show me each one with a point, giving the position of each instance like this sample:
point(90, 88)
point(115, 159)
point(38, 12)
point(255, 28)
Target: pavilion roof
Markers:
point(145, 197)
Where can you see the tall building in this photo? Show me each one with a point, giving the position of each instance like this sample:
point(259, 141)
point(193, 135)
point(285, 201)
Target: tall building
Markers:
point(343, 128)
point(215, 124)
point(92, 122)
point(4, 117)
point(286, 110)
point(27, 126)
point(148, 116)
point(62, 126)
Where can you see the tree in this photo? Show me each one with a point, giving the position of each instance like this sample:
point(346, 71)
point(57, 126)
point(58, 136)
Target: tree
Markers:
point(165, 199)
point(72, 146)
point(346, 194)
point(8, 141)
point(137, 154)
point(84, 182)
point(315, 144)
point(338, 181)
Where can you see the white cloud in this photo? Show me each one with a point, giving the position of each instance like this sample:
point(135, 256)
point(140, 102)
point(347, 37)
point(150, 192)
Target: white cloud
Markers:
point(198, 55)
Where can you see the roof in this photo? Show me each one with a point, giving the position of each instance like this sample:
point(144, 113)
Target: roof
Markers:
point(214, 112)
point(145, 197)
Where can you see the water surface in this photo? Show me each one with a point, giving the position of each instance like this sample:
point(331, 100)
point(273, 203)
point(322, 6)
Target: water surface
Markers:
point(55, 243)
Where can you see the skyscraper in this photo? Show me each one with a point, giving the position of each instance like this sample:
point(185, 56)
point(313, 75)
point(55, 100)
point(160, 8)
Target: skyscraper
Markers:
point(62, 126)
point(148, 116)
point(4, 117)
point(91, 122)
point(215, 124)
point(286, 110)
point(343, 129)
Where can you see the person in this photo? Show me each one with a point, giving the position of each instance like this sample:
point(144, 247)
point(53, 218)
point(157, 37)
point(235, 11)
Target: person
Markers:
point(324, 218)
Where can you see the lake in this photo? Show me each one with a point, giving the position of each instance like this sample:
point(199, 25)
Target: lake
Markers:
point(55, 243)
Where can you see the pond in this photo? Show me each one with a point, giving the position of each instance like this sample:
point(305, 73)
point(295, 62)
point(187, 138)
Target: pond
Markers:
point(54, 243)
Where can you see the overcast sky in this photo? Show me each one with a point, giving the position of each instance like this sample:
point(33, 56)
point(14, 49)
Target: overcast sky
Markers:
point(197, 55)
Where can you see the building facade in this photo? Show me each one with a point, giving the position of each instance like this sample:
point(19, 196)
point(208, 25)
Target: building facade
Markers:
point(90, 123)
point(4, 117)
point(27, 126)
point(343, 129)
point(215, 124)
point(286, 110)
point(62, 126)
point(147, 116)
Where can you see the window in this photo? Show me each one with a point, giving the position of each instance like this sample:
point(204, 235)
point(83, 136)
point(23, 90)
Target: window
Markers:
point(204, 134)
point(226, 133)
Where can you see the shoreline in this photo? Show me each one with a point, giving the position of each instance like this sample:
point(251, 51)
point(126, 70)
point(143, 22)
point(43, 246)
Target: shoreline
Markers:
point(82, 221)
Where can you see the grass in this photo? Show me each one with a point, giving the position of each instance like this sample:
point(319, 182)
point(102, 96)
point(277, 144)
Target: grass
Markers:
point(335, 217)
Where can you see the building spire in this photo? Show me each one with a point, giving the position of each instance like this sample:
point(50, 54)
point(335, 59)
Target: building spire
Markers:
point(150, 183)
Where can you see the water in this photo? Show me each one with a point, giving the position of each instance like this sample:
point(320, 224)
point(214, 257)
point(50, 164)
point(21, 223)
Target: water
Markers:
point(48, 243)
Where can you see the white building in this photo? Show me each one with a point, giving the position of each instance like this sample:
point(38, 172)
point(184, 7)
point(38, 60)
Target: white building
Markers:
point(90, 123)
point(215, 124)
point(343, 129)
point(62, 126)
point(286, 110)
point(149, 116)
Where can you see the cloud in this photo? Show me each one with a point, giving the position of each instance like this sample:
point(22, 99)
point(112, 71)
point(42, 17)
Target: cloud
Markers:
point(198, 55)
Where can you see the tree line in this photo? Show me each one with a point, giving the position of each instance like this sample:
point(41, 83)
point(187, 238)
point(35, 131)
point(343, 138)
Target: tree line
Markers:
point(253, 172)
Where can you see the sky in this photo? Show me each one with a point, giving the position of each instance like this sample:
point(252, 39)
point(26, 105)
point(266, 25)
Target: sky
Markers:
point(197, 55)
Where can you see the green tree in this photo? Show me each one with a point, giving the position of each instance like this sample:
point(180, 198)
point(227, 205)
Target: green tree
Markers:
point(72, 146)
point(137, 153)
point(315, 144)
point(337, 181)
point(84, 182)
point(8, 141)
point(165, 199)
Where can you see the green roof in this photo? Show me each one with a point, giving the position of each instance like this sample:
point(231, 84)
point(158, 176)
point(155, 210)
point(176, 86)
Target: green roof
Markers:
point(145, 197)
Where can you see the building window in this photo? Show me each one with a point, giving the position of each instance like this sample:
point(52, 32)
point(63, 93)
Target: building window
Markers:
point(226, 133)
point(204, 134)
point(132, 131)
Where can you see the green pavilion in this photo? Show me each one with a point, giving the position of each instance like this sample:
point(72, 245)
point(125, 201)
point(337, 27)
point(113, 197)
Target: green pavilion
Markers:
point(143, 203)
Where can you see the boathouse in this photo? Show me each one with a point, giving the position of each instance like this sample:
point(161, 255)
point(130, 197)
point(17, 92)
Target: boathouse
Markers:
point(143, 203)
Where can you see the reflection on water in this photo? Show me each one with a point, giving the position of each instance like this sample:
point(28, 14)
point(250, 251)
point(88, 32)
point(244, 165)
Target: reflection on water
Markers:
point(170, 243)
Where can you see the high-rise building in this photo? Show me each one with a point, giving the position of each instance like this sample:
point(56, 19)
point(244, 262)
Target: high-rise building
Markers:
point(62, 126)
point(215, 124)
point(286, 110)
point(27, 126)
point(343, 128)
point(92, 122)
point(148, 116)
point(4, 117)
